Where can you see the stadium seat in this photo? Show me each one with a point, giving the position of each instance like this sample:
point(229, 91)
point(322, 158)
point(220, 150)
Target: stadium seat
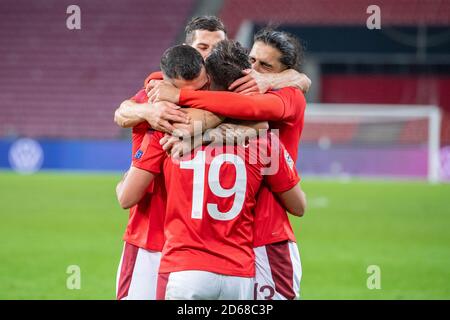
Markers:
point(66, 83)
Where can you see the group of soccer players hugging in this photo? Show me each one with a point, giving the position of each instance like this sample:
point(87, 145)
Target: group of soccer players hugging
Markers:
point(215, 139)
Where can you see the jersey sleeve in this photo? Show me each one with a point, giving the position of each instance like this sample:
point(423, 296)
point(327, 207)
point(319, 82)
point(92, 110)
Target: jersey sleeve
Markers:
point(284, 176)
point(137, 136)
point(294, 102)
point(140, 97)
point(263, 107)
point(151, 155)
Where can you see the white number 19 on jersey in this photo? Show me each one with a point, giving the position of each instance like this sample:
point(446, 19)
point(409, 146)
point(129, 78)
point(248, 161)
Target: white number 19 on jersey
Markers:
point(198, 164)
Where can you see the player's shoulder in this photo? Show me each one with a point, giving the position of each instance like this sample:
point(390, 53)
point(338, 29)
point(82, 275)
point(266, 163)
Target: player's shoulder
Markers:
point(294, 102)
point(291, 95)
point(149, 144)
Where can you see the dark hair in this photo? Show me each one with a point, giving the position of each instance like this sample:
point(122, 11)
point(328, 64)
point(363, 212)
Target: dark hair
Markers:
point(210, 23)
point(289, 46)
point(182, 61)
point(226, 62)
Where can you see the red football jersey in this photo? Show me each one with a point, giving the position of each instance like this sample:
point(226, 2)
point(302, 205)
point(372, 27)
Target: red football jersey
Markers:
point(210, 200)
point(145, 227)
point(271, 220)
point(285, 109)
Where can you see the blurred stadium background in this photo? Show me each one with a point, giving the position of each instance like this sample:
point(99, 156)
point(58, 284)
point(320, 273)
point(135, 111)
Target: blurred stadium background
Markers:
point(374, 154)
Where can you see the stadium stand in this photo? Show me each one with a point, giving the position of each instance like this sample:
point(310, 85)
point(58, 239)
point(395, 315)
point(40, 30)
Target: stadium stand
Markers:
point(61, 83)
point(329, 12)
point(382, 67)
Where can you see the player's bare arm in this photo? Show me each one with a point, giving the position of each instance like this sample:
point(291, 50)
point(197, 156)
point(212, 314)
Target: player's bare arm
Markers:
point(239, 129)
point(294, 200)
point(187, 137)
point(130, 114)
point(132, 187)
point(160, 115)
point(201, 120)
point(120, 184)
point(176, 147)
point(256, 82)
point(166, 91)
point(236, 131)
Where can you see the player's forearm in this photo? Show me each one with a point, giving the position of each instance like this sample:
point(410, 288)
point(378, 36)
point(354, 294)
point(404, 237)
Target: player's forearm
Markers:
point(120, 192)
point(290, 78)
point(201, 120)
point(130, 114)
point(261, 107)
point(235, 132)
point(133, 187)
point(294, 200)
point(123, 202)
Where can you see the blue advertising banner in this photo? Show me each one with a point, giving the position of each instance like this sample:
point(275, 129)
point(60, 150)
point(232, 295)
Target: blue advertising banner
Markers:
point(28, 155)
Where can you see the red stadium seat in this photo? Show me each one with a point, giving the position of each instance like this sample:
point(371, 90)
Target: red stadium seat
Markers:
point(57, 82)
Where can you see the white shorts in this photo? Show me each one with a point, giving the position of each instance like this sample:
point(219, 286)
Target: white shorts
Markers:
point(278, 271)
point(137, 274)
point(203, 285)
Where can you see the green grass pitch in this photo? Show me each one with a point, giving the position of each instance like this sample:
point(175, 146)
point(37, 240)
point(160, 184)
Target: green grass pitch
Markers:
point(50, 221)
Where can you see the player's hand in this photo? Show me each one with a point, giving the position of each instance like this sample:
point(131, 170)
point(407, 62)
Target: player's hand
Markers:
point(151, 84)
point(167, 142)
point(162, 114)
point(183, 130)
point(176, 147)
point(304, 83)
point(251, 83)
point(164, 91)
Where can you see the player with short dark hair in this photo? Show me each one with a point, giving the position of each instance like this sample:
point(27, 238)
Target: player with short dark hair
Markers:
point(225, 63)
point(203, 32)
point(181, 62)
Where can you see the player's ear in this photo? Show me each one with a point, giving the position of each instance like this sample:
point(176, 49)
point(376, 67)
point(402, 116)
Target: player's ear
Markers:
point(208, 83)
